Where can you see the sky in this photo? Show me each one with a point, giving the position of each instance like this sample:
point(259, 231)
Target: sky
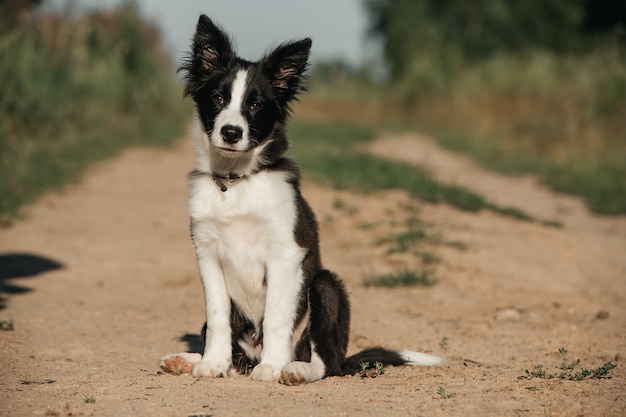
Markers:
point(337, 27)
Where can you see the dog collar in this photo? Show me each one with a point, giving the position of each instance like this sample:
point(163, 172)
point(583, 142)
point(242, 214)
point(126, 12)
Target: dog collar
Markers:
point(222, 180)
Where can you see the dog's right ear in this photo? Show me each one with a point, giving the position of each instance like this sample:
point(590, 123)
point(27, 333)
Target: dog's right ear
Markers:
point(211, 51)
point(211, 45)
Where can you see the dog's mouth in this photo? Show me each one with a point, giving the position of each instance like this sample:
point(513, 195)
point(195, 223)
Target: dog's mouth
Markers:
point(229, 152)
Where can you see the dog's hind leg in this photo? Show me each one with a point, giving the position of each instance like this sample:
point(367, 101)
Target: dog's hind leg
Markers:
point(299, 372)
point(329, 330)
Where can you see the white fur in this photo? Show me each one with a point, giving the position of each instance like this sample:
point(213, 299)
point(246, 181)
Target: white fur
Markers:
point(244, 237)
point(419, 358)
point(231, 115)
point(295, 373)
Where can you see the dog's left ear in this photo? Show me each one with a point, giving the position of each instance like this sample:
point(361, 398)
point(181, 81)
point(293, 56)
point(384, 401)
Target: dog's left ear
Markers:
point(285, 66)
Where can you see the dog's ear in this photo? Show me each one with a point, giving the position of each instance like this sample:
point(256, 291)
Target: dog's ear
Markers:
point(211, 51)
point(211, 46)
point(285, 66)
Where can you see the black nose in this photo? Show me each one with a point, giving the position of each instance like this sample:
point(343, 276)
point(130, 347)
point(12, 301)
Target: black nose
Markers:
point(231, 134)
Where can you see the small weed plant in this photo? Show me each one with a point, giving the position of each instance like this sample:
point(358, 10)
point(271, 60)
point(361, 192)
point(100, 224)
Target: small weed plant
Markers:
point(441, 391)
point(443, 343)
point(371, 370)
point(6, 324)
point(415, 238)
point(408, 239)
point(568, 370)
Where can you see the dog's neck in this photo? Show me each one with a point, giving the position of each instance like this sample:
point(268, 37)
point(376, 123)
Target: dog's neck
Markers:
point(226, 170)
point(237, 165)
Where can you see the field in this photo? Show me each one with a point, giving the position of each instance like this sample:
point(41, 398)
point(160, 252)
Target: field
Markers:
point(76, 91)
point(558, 118)
point(479, 216)
point(99, 281)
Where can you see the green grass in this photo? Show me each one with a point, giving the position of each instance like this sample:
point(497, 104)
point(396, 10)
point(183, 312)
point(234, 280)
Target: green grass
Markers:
point(599, 177)
point(411, 237)
point(560, 118)
point(600, 180)
point(328, 153)
point(414, 237)
point(568, 370)
point(6, 325)
point(443, 343)
point(75, 91)
point(441, 391)
point(402, 278)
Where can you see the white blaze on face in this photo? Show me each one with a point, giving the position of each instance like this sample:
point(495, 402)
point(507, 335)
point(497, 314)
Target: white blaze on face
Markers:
point(231, 115)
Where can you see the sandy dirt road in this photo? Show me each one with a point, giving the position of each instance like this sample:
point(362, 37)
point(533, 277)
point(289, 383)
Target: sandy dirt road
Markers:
point(100, 281)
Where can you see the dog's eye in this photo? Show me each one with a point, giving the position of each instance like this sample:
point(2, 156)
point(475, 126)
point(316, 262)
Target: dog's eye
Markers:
point(218, 99)
point(256, 106)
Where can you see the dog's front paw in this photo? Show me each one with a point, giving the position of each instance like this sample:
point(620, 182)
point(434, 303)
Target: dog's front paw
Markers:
point(211, 368)
point(179, 363)
point(265, 372)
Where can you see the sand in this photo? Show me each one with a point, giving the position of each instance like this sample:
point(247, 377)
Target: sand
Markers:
point(100, 281)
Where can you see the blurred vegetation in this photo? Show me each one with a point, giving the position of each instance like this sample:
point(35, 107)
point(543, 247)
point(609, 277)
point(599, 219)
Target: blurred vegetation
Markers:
point(529, 86)
point(329, 152)
point(75, 88)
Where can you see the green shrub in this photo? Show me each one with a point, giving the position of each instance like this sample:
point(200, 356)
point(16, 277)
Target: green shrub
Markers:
point(76, 89)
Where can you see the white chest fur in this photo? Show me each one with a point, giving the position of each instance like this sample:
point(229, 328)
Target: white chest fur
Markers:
point(246, 229)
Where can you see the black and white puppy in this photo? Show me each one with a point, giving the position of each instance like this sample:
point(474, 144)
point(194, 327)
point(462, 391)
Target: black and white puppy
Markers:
point(272, 311)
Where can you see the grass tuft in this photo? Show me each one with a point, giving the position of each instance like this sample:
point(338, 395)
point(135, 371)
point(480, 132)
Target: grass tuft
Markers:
point(568, 370)
point(6, 325)
point(402, 278)
point(371, 370)
point(441, 391)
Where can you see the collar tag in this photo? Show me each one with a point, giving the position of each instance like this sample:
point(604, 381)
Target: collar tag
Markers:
point(230, 179)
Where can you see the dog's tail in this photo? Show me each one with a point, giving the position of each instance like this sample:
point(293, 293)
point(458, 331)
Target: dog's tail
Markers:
point(366, 359)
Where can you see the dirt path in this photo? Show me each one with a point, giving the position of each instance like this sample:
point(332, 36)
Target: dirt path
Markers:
point(88, 334)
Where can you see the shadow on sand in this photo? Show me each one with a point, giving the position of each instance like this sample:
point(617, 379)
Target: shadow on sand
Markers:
point(18, 266)
point(194, 342)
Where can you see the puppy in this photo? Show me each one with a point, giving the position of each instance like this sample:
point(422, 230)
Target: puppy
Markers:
point(272, 310)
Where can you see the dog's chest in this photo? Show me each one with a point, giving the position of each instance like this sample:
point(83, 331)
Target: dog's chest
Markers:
point(244, 228)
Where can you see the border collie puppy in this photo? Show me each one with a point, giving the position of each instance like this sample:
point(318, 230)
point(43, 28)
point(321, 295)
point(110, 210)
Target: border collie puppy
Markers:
point(272, 311)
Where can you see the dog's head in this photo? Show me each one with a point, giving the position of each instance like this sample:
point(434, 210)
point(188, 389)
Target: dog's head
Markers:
point(241, 105)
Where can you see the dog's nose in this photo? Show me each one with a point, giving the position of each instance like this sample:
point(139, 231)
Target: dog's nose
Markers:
point(231, 134)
